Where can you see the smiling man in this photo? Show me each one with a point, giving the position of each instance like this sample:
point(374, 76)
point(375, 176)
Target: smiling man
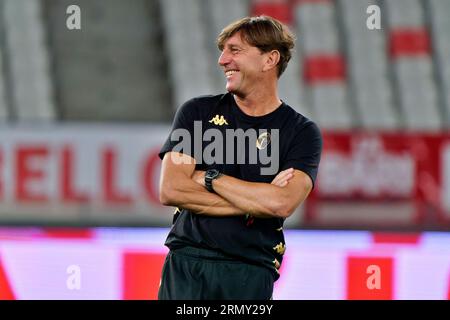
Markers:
point(227, 239)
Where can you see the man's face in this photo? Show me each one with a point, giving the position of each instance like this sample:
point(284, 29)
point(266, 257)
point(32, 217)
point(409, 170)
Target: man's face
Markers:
point(242, 64)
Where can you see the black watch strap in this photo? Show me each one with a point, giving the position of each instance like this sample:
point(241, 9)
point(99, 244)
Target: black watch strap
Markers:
point(210, 175)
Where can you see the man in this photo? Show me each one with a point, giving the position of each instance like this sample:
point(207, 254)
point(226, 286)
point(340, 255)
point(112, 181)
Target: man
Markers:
point(227, 241)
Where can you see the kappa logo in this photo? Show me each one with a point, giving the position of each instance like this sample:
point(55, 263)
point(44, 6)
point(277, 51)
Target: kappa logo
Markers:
point(218, 120)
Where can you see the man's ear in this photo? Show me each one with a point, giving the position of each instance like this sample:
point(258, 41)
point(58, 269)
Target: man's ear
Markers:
point(272, 59)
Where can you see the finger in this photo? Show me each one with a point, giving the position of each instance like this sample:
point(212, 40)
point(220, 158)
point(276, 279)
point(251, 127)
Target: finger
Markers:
point(281, 175)
point(286, 178)
point(276, 183)
point(282, 182)
point(287, 171)
point(276, 179)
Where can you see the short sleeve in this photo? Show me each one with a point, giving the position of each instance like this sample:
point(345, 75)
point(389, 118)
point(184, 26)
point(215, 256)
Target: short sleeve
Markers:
point(305, 151)
point(181, 135)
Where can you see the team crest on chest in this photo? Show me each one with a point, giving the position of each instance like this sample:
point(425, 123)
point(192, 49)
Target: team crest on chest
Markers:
point(263, 140)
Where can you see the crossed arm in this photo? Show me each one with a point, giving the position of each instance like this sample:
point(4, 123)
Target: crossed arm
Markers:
point(182, 186)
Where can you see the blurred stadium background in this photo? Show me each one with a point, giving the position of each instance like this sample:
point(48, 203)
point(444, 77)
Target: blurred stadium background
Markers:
point(84, 112)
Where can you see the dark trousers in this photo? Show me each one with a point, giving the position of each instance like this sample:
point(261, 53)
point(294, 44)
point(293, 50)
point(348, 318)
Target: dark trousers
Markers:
point(200, 274)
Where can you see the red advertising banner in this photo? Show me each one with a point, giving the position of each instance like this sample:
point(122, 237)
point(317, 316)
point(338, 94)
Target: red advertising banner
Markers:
point(81, 174)
point(382, 179)
point(109, 174)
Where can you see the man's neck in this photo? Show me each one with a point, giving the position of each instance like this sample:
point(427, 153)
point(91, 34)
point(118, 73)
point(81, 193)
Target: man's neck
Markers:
point(258, 104)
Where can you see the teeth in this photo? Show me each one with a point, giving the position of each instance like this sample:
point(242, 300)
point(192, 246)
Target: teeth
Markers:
point(230, 72)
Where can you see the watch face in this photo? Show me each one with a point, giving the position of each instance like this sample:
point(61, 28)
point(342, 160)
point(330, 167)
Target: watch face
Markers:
point(212, 173)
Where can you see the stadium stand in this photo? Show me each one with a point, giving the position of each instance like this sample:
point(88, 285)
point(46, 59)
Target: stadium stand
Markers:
point(342, 74)
point(4, 114)
point(118, 52)
point(187, 54)
point(410, 54)
point(279, 9)
point(367, 67)
point(32, 91)
point(4, 110)
point(438, 11)
point(291, 85)
point(323, 63)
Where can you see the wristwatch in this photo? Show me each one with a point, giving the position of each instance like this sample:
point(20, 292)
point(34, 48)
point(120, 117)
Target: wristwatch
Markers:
point(210, 175)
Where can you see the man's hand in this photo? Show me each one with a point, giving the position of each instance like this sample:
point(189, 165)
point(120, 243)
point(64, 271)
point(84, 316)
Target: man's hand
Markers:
point(278, 199)
point(199, 177)
point(281, 180)
point(178, 189)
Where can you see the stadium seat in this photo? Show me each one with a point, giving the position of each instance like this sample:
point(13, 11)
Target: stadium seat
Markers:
point(418, 98)
point(316, 29)
point(32, 90)
point(440, 28)
point(120, 57)
point(188, 56)
point(279, 9)
point(324, 66)
point(408, 41)
point(330, 108)
point(367, 68)
point(4, 114)
point(410, 54)
point(404, 13)
point(291, 86)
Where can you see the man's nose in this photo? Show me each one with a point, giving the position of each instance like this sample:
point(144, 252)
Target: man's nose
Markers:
point(224, 59)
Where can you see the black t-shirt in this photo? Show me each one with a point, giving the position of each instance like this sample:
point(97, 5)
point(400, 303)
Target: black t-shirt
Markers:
point(259, 241)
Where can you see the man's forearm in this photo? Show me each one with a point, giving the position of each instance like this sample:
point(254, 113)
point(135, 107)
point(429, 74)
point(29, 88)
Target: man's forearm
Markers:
point(261, 200)
point(190, 195)
point(258, 199)
point(217, 209)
